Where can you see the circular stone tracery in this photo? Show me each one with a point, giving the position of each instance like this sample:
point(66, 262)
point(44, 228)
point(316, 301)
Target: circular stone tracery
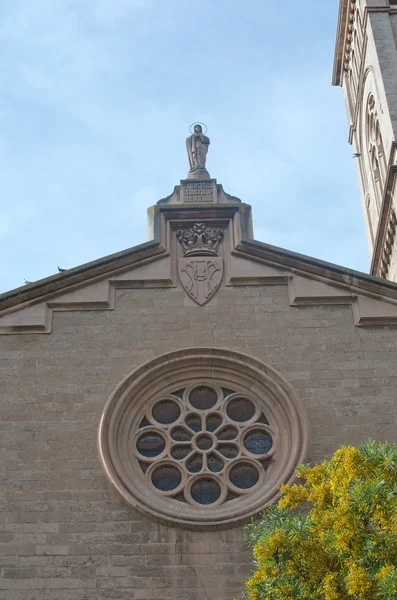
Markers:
point(195, 437)
point(219, 434)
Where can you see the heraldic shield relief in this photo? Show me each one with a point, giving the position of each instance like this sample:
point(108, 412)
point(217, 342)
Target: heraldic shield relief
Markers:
point(201, 270)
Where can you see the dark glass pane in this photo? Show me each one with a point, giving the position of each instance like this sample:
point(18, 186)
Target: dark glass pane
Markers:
point(228, 433)
point(194, 422)
point(231, 496)
point(150, 444)
point(203, 397)
point(144, 422)
point(213, 422)
point(243, 476)
point(180, 497)
point(262, 419)
point(194, 464)
point(228, 451)
point(265, 462)
point(227, 392)
point(180, 452)
point(240, 409)
point(166, 411)
point(205, 491)
point(166, 478)
point(144, 466)
point(179, 434)
point(215, 463)
point(204, 442)
point(258, 442)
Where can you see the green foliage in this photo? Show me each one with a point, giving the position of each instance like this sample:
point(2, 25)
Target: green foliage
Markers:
point(335, 536)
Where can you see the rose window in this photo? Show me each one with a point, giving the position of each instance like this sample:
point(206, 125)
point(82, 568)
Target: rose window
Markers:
point(204, 445)
point(202, 437)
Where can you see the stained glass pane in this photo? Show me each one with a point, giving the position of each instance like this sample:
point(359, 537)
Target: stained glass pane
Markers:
point(258, 442)
point(243, 475)
point(166, 478)
point(203, 397)
point(231, 496)
point(228, 433)
point(204, 442)
point(195, 464)
point(194, 422)
point(166, 412)
point(181, 452)
point(240, 409)
point(215, 463)
point(150, 444)
point(205, 491)
point(228, 450)
point(179, 434)
point(213, 422)
point(144, 422)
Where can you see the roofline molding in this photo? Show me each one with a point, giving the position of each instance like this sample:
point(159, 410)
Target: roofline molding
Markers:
point(149, 251)
point(337, 75)
point(152, 265)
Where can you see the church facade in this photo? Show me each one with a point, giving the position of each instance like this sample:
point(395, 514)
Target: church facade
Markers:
point(153, 401)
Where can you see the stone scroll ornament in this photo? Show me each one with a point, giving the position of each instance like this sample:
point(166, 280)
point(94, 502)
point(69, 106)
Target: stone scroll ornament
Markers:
point(201, 270)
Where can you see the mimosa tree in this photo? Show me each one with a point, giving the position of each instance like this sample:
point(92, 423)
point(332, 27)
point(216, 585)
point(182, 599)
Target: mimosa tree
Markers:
point(334, 536)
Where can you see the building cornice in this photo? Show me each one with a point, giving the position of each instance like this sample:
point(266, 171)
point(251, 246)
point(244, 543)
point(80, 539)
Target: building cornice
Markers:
point(337, 75)
point(344, 35)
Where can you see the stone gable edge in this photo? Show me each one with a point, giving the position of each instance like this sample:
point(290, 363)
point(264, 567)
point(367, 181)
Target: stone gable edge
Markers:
point(91, 286)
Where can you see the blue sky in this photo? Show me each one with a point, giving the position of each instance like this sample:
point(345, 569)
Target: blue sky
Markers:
point(97, 99)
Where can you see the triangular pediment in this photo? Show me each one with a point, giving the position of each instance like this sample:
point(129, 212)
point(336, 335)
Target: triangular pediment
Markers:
point(247, 262)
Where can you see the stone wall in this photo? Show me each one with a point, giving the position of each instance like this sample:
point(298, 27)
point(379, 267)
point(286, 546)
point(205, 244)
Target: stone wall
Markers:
point(66, 534)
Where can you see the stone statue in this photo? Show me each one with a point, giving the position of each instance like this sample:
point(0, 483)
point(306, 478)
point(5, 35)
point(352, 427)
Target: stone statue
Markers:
point(197, 148)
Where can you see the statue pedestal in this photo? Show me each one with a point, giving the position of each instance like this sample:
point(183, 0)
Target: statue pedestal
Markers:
point(196, 190)
point(204, 191)
point(199, 173)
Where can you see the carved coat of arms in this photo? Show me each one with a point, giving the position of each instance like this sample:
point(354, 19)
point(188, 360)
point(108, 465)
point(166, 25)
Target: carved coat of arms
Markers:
point(201, 270)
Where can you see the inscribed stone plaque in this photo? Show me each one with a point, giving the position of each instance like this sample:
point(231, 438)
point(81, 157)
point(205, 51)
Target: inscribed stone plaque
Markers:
point(198, 191)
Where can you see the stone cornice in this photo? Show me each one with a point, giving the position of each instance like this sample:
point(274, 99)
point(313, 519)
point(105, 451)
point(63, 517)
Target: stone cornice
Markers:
point(337, 75)
point(153, 265)
point(72, 278)
point(149, 251)
point(320, 270)
point(343, 42)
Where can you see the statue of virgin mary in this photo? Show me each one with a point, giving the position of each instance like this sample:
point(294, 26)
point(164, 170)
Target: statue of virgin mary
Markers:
point(197, 148)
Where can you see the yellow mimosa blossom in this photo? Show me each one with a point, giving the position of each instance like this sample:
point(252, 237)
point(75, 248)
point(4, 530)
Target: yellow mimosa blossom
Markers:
point(313, 475)
point(319, 495)
point(341, 543)
point(293, 496)
point(357, 582)
point(330, 589)
point(384, 571)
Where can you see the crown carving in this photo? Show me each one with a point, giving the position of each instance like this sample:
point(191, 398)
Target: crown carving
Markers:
point(200, 240)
